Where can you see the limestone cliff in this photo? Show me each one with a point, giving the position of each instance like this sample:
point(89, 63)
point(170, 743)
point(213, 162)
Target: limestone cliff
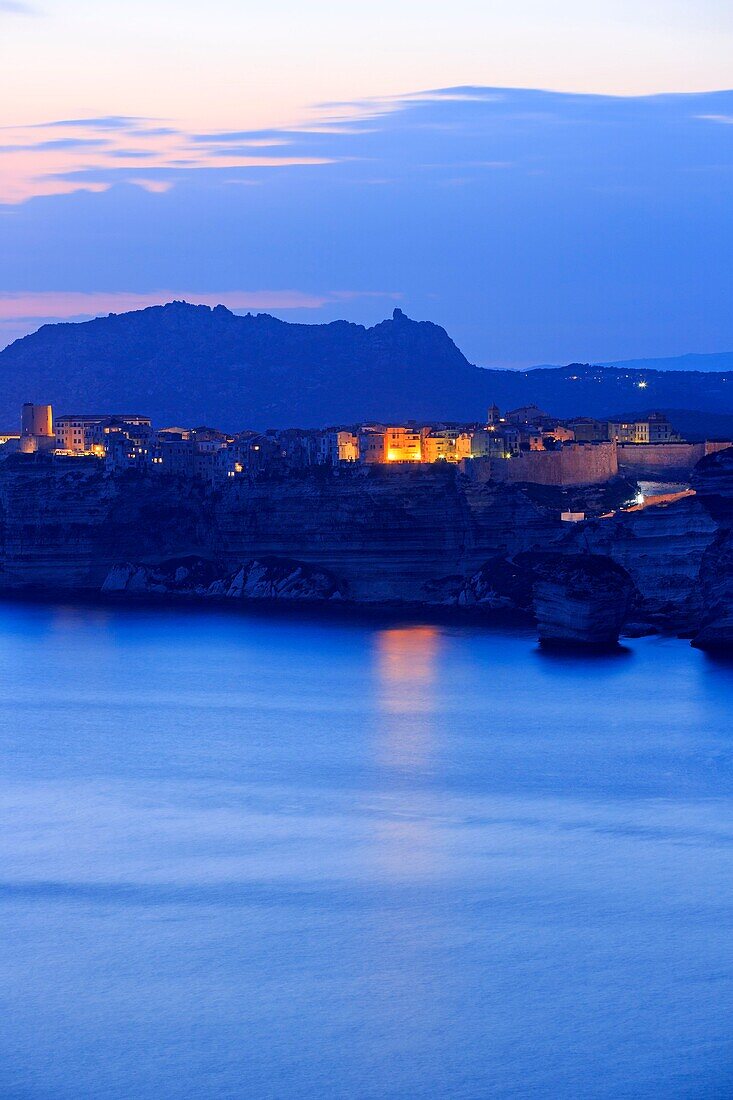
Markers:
point(575, 599)
point(716, 595)
point(426, 535)
point(676, 556)
point(580, 599)
point(379, 534)
point(713, 482)
point(661, 549)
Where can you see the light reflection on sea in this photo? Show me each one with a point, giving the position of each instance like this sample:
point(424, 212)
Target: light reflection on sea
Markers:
point(272, 856)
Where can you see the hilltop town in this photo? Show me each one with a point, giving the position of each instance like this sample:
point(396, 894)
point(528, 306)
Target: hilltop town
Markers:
point(523, 445)
point(591, 527)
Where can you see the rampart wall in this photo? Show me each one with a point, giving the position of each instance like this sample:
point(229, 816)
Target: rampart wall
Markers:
point(651, 458)
point(573, 464)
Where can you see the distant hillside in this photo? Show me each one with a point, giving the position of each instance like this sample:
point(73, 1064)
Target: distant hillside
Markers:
point(722, 361)
point(713, 361)
point(192, 364)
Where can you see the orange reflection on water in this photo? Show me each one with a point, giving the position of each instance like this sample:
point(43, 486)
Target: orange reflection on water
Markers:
point(406, 658)
point(406, 664)
point(405, 742)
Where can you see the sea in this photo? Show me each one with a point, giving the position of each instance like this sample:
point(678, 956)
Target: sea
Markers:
point(280, 855)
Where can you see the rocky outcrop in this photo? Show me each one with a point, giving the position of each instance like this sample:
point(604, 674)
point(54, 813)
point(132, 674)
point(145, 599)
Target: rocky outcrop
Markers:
point(712, 480)
point(661, 549)
point(279, 579)
point(501, 584)
point(713, 483)
point(576, 599)
point(716, 595)
point(271, 579)
point(580, 600)
point(190, 576)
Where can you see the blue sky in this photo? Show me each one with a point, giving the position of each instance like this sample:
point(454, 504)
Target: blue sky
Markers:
point(286, 159)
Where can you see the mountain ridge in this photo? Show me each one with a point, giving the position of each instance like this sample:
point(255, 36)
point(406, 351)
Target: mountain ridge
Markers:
point(188, 363)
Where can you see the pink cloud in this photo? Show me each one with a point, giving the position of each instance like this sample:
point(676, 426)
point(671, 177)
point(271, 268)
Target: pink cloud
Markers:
point(34, 161)
point(64, 304)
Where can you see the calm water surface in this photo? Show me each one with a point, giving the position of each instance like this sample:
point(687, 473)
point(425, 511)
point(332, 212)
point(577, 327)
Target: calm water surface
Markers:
point(274, 857)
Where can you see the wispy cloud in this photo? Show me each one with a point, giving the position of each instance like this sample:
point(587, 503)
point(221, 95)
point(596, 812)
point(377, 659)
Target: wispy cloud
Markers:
point(26, 306)
point(243, 136)
point(106, 122)
point(92, 154)
point(58, 145)
point(459, 134)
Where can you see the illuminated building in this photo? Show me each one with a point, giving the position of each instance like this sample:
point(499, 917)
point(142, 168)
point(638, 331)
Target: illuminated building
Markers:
point(561, 434)
point(36, 428)
point(403, 444)
point(74, 433)
point(193, 453)
point(487, 443)
point(587, 430)
point(446, 445)
point(654, 428)
point(373, 446)
point(337, 446)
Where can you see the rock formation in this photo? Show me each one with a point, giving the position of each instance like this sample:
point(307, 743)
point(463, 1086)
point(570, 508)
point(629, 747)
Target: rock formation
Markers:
point(661, 549)
point(712, 480)
point(576, 599)
point(716, 595)
point(270, 579)
point(580, 600)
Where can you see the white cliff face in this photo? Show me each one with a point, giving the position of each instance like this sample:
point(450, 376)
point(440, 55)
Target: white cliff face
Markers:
point(276, 579)
point(678, 555)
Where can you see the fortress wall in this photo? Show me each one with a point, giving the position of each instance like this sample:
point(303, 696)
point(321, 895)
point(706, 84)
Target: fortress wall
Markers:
point(576, 464)
point(639, 458)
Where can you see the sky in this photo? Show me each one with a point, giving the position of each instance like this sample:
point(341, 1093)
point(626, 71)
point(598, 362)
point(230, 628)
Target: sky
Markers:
point(549, 180)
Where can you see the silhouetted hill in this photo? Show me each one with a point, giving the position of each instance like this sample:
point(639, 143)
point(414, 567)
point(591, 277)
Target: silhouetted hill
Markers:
point(710, 361)
point(187, 363)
